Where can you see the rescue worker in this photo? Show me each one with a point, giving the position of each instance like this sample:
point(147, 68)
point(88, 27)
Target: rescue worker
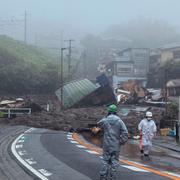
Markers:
point(147, 128)
point(115, 134)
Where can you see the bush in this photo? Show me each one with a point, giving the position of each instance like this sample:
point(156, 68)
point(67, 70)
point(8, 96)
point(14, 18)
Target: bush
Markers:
point(1, 114)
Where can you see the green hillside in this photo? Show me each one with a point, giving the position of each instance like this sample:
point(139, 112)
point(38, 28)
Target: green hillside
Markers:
point(25, 68)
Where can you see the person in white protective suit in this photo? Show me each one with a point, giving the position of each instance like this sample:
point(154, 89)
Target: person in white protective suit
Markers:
point(147, 128)
point(115, 134)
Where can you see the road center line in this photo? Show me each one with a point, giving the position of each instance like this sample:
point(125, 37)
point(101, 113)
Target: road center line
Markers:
point(134, 168)
point(80, 146)
point(98, 150)
point(92, 152)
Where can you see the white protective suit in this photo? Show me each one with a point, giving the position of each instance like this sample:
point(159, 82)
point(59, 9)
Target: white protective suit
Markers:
point(147, 128)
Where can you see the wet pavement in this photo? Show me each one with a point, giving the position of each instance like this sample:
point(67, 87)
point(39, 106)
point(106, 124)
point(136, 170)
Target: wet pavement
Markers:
point(160, 158)
point(55, 155)
point(167, 142)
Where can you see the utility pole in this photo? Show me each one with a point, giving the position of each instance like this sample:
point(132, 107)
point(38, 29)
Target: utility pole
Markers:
point(62, 77)
point(25, 26)
point(69, 58)
point(84, 64)
point(165, 86)
point(178, 125)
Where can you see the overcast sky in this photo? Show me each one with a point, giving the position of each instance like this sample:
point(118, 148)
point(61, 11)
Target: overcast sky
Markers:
point(91, 16)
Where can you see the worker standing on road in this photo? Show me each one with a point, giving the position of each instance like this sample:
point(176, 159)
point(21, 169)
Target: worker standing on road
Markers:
point(115, 134)
point(147, 128)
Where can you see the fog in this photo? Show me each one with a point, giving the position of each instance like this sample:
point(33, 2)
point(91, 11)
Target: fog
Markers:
point(76, 18)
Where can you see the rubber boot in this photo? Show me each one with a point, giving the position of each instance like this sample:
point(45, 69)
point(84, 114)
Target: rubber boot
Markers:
point(103, 178)
point(146, 156)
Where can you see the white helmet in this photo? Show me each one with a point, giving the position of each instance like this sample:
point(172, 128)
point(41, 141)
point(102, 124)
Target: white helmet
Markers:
point(148, 114)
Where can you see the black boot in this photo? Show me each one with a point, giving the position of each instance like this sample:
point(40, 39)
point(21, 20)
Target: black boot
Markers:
point(103, 178)
point(147, 157)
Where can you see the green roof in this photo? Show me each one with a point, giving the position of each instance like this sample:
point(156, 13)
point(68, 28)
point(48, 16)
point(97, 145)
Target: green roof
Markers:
point(75, 91)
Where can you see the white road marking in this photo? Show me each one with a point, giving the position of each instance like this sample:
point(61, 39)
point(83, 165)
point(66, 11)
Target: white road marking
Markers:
point(30, 161)
point(24, 163)
point(23, 137)
point(139, 163)
point(69, 133)
point(22, 153)
point(133, 168)
point(173, 174)
point(19, 146)
point(130, 167)
point(70, 138)
point(21, 141)
point(80, 146)
point(29, 130)
point(74, 142)
point(45, 172)
point(92, 152)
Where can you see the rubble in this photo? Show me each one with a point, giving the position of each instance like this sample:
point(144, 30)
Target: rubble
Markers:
point(84, 93)
point(131, 92)
point(155, 94)
point(17, 103)
point(79, 118)
point(134, 87)
point(64, 120)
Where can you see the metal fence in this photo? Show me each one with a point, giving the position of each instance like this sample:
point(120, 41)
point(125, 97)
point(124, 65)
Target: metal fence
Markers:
point(15, 111)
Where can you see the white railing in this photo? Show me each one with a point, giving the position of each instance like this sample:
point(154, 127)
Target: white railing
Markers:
point(17, 111)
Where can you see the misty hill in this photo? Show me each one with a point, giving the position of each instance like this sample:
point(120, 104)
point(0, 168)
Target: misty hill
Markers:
point(25, 68)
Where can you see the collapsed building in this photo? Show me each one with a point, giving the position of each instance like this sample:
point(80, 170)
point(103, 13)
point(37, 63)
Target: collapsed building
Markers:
point(84, 93)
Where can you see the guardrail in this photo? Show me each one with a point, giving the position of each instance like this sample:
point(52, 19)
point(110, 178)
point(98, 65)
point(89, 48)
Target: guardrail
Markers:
point(17, 111)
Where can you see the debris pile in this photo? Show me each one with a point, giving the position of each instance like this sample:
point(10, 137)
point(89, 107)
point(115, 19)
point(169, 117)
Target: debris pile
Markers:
point(17, 103)
point(71, 119)
point(79, 118)
point(84, 93)
point(132, 92)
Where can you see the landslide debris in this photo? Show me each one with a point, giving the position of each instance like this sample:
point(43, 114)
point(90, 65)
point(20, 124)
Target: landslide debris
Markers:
point(75, 119)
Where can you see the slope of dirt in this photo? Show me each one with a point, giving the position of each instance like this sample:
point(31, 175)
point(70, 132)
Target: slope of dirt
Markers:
point(74, 119)
point(65, 120)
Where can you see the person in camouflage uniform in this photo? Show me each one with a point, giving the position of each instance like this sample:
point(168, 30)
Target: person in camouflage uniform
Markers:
point(115, 135)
